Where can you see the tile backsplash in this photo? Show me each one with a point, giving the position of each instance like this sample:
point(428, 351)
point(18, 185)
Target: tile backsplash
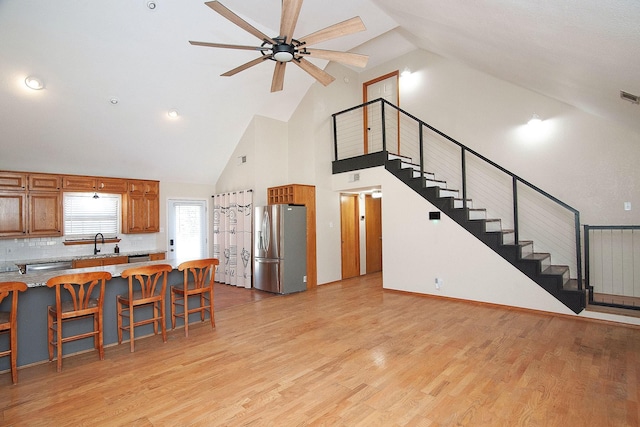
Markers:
point(53, 247)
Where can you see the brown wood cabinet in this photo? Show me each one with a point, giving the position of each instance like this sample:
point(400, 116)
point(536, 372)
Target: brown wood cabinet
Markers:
point(299, 194)
point(30, 205)
point(100, 262)
point(13, 181)
point(141, 207)
point(93, 183)
point(157, 257)
point(13, 213)
point(45, 214)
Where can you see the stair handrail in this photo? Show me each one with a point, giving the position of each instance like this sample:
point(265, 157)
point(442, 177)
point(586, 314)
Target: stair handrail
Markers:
point(515, 178)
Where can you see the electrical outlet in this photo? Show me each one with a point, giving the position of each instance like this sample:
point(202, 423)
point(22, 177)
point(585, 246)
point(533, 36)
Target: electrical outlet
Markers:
point(627, 206)
point(304, 279)
point(438, 283)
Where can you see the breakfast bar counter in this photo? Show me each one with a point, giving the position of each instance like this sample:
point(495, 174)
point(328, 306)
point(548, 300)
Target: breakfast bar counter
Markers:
point(32, 311)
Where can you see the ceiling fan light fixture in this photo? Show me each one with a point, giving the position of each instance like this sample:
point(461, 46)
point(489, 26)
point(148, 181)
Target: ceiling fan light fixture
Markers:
point(283, 52)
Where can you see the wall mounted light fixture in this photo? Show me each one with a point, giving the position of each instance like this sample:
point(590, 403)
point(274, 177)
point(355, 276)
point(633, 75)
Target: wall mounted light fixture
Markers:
point(34, 83)
point(406, 72)
point(534, 121)
point(173, 113)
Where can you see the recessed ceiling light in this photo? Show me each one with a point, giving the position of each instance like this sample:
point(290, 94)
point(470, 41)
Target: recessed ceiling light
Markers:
point(113, 100)
point(173, 113)
point(34, 83)
point(151, 5)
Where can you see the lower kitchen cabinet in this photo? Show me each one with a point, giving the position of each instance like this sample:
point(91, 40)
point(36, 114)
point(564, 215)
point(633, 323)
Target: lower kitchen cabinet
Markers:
point(100, 262)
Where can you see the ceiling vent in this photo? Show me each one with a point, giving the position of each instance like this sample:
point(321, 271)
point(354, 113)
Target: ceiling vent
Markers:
point(630, 97)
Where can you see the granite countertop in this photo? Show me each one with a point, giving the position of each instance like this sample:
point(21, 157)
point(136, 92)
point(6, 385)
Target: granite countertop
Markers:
point(40, 278)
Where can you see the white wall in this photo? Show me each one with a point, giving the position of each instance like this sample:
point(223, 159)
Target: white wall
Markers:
point(416, 251)
point(586, 161)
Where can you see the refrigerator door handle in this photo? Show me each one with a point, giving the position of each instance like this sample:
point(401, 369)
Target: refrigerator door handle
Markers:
point(266, 229)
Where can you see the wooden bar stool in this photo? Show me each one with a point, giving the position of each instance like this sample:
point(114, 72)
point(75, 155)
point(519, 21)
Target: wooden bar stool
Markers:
point(152, 280)
point(84, 297)
point(9, 324)
point(203, 272)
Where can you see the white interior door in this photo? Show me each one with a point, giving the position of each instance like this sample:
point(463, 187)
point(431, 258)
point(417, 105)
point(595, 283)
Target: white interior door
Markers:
point(187, 229)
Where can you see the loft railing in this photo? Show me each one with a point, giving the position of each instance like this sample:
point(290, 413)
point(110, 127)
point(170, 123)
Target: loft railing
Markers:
point(530, 212)
point(612, 263)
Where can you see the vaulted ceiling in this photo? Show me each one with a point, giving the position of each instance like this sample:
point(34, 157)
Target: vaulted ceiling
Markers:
point(582, 52)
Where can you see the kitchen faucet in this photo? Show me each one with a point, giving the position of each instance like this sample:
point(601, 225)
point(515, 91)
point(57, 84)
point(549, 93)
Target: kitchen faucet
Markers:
point(95, 243)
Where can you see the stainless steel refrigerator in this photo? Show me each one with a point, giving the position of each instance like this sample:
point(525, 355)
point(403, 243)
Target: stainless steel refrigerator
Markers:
point(280, 248)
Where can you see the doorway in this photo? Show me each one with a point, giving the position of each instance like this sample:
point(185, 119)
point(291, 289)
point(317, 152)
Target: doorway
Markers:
point(187, 229)
point(373, 233)
point(349, 231)
point(361, 223)
point(387, 88)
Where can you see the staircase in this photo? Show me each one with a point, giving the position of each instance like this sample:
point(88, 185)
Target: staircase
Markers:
point(555, 279)
point(366, 136)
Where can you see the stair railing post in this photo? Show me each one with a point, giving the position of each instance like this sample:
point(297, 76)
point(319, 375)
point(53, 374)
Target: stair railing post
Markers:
point(384, 130)
point(463, 159)
point(516, 234)
point(421, 139)
point(578, 250)
point(335, 137)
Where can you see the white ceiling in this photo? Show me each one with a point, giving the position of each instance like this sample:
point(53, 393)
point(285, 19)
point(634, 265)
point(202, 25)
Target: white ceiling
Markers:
point(582, 52)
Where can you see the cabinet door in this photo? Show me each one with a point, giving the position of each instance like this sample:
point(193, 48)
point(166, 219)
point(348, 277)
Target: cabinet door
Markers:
point(45, 214)
point(13, 218)
point(13, 181)
point(85, 263)
point(115, 260)
point(157, 257)
point(79, 183)
point(152, 206)
point(143, 187)
point(135, 213)
point(111, 185)
point(42, 182)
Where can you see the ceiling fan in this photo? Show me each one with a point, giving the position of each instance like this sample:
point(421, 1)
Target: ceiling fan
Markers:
point(284, 48)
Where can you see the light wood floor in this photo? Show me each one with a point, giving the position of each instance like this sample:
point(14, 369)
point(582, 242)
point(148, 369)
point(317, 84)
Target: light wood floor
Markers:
point(348, 354)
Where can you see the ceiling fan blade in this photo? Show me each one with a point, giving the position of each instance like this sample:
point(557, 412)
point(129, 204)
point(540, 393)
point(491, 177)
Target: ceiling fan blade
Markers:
point(340, 29)
point(218, 7)
point(245, 66)
point(229, 46)
point(289, 18)
point(355, 59)
point(317, 73)
point(278, 77)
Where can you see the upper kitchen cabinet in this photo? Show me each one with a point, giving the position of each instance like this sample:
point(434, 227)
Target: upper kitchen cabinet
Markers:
point(13, 213)
point(44, 182)
point(13, 181)
point(141, 207)
point(92, 183)
point(30, 205)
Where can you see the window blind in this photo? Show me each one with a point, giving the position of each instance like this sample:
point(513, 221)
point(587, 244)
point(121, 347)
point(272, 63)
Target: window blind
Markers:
point(85, 216)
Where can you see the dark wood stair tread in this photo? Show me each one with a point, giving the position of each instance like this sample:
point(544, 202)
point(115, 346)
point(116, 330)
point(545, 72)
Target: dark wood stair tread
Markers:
point(555, 269)
point(536, 256)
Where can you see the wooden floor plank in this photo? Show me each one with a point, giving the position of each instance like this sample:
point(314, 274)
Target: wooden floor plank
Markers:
point(349, 353)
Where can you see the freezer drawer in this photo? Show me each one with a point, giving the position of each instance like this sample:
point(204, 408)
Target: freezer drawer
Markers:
point(266, 275)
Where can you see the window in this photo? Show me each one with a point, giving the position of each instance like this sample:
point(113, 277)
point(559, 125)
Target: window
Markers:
point(85, 215)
